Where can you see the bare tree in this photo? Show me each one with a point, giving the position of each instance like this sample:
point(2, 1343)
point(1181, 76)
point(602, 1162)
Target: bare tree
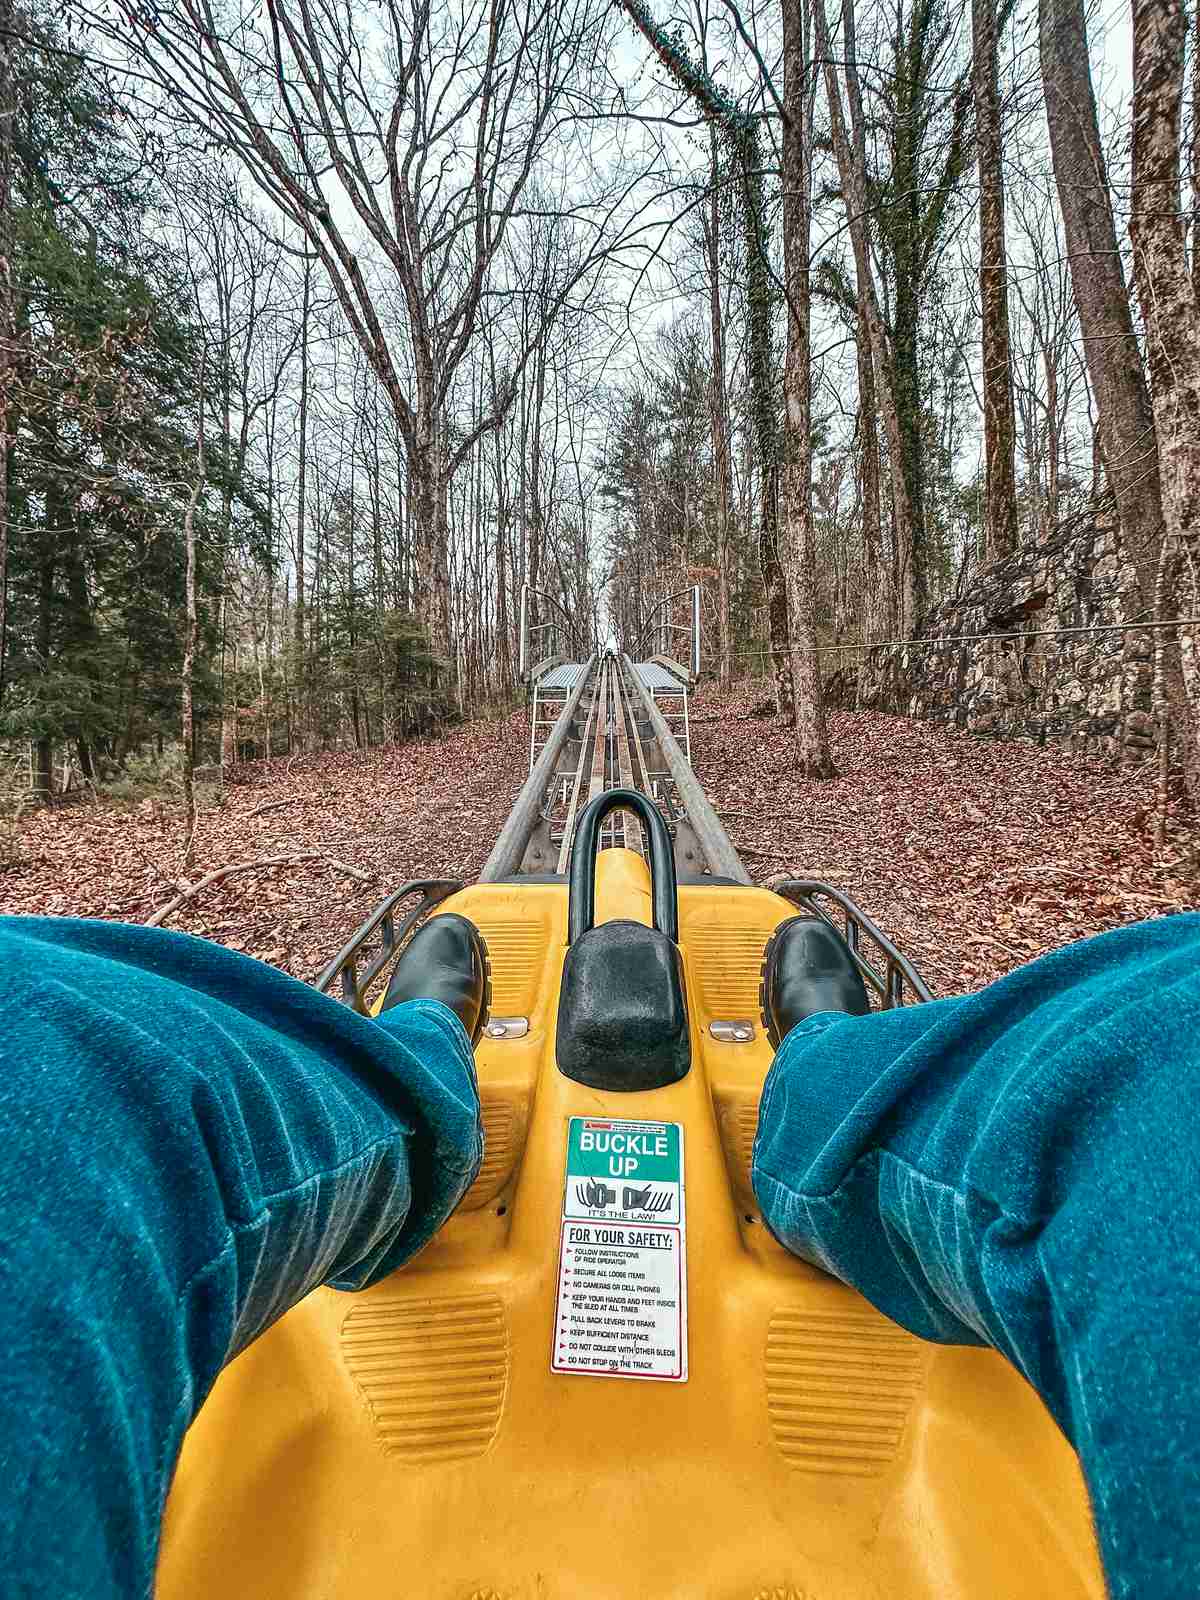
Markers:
point(1046, 356)
point(300, 528)
point(1128, 443)
point(853, 179)
point(999, 424)
point(797, 542)
point(8, 321)
point(719, 412)
point(403, 155)
point(879, 596)
point(1165, 287)
point(246, 295)
point(187, 718)
point(1118, 379)
point(741, 132)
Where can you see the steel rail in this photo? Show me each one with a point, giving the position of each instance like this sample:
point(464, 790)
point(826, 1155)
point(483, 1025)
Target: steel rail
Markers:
point(509, 849)
point(808, 893)
point(719, 853)
point(632, 831)
point(602, 764)
point(643, 764)
point(600, 747)
point(564, 851)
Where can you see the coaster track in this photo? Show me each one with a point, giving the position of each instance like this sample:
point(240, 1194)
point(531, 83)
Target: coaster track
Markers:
point(611, 733)
point(600, 724)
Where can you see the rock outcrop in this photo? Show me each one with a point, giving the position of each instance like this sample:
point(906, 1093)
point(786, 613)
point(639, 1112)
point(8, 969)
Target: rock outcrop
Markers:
point(1091, 691)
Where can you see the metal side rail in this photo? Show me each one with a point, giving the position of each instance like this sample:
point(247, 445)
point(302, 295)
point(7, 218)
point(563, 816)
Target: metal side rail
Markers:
point(887, 973)
point(701, 843)
point(526, 843)
point(390, 932)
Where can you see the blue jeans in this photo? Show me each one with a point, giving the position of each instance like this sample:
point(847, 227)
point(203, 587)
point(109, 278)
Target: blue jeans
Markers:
point(192, 1141)
point(1021, 1169)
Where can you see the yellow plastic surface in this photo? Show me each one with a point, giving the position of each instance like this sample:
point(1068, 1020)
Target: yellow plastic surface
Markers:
point(412, 1440)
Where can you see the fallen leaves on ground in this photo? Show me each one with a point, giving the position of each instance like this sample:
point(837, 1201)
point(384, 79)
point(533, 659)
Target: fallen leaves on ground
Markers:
point(428, 809)
point(972, 856)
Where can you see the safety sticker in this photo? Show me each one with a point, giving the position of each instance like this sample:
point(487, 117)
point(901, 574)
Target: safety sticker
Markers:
point(621, 1310)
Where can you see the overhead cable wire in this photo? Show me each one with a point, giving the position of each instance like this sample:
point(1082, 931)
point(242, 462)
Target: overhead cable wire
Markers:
point(1028, 633)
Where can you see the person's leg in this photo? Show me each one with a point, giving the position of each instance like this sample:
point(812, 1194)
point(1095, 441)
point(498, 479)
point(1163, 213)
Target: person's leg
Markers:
point(190, 1141)
point(1021, 1168)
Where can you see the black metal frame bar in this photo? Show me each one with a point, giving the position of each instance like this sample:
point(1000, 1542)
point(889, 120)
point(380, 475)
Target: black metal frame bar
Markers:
point(382, 921)
point(897, 970)
point(664, 894)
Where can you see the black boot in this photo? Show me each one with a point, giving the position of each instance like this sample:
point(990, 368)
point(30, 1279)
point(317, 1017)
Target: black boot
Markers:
point(446, 960)
point(807, 967)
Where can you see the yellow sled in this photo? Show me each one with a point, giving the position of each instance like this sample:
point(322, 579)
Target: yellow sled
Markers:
point(604, 1380)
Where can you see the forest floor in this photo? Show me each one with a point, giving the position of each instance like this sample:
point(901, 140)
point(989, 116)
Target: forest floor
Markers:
point(973, 856)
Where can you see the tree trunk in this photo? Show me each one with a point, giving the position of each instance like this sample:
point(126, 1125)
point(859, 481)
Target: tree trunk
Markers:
point(533, 478)
point(766, 437)
point(742, 133)
point(504, 672)
point(999, 422)
point(1160, 707)
point(299, 630)
point(852, 177)
point(43, 770)
point(427, 504)
point(796, 544)
point(775, 595)
point(44, 767)
point(1165, 287)
point(912, 575)
point(8, 320)
point(1114, 365)
point(229, 712)
point(719, 418)
point(879, 611)
point(1053, 442)
point(440, 566)
point(879, 604)
point(187, 718)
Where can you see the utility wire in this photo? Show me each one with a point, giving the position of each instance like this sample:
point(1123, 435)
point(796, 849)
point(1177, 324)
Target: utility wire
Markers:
point(1030, 633)
point(983, 638)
